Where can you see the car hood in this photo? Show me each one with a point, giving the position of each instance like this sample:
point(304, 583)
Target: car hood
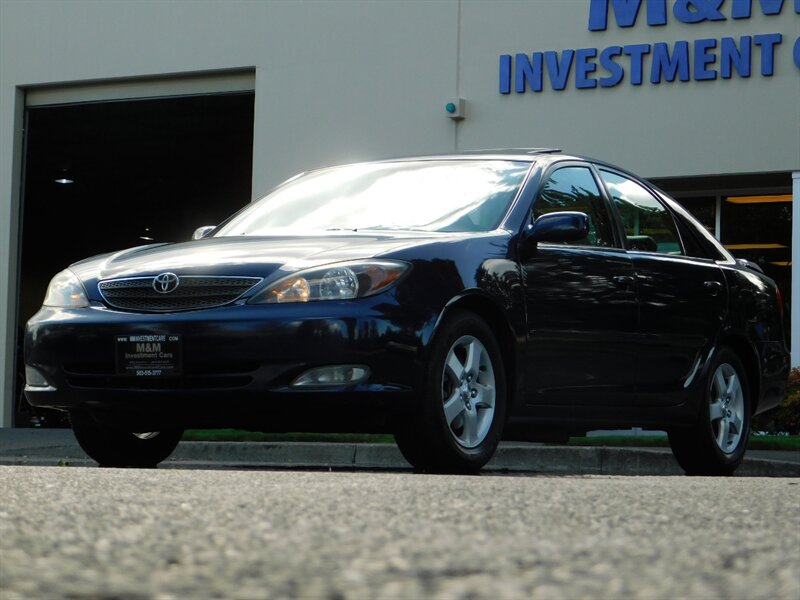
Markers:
point(247, 256)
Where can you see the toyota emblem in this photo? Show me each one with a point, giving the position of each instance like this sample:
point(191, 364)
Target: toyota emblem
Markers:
point(166, 283)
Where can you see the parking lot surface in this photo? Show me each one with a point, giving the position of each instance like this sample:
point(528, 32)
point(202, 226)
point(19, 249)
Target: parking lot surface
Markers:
point(173, 533)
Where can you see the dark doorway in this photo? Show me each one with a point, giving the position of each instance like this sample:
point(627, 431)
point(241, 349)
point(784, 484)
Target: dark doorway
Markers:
point(110, 175)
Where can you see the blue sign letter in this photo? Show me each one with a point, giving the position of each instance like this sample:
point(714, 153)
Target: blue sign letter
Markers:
point(625, 13)
point(559, 70)
point(767, 41)
point(696, 11)
point(703, 58)
point(731, 56)
point(678, 64)
point(505, 73)
point(797, 53)
point(583, 67)
point(637, 52)
point(616, 71)
point(528, 71)
point(742, 9)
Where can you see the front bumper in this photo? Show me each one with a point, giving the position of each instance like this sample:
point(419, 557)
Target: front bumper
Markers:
point(238, 363)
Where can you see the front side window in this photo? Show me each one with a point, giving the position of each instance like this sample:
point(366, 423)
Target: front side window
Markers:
point(575, 189)
point(649, 227)
point(426, 195)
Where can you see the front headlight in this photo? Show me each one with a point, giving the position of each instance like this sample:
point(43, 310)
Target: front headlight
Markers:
point(341, 281)
point(66, 291)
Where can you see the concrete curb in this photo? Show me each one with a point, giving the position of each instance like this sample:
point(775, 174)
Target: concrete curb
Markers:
point(510, 458)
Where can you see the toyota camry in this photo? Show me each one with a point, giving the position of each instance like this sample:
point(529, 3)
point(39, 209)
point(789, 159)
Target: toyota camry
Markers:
point(453, 301)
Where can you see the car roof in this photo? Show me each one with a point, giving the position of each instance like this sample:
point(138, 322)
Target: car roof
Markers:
point(511, 151)
point(548, 155)
point(526, 154)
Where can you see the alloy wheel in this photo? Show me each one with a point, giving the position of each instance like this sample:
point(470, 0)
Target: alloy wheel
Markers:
point(726, 408)
point(468, 391)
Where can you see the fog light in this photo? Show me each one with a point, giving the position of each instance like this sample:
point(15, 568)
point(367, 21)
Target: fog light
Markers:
point(34, 378)
point(334, 375)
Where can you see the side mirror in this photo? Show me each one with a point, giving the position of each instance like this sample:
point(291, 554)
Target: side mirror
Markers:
point(559, 227)
point(203, 231)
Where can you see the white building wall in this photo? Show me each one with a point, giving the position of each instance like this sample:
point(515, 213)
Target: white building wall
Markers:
point(339, 80)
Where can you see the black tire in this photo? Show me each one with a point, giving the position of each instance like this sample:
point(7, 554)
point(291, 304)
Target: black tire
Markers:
point(117, 447)
point(463, 437)
point(716, 444)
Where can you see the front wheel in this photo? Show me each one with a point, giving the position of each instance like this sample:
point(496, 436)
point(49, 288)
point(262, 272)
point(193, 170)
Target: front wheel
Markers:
point(460, 419)
point(117, 447)
point(717, 442)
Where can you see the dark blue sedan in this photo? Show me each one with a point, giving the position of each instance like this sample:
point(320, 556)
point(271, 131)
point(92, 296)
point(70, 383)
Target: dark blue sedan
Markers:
point(453, 301)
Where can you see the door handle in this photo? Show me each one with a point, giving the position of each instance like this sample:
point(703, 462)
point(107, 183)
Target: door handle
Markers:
point(623, 282)
point(713, 287)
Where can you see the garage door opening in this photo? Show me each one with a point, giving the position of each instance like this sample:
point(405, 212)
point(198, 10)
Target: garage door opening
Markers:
point(104, 176)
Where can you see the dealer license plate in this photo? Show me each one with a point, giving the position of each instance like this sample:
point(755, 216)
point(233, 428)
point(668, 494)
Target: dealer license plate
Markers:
point(149, 355)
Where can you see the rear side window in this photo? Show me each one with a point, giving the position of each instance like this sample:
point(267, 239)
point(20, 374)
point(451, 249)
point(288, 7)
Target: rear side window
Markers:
point(691, 243)
point(649, 227)
point(575, 189)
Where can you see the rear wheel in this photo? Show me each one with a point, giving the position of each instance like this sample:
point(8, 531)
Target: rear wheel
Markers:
point(459, 422)
point(717, 442)
point(117, 447)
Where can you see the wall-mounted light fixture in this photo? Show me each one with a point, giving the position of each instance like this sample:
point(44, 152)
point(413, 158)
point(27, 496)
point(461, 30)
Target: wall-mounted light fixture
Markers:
point(64, 178)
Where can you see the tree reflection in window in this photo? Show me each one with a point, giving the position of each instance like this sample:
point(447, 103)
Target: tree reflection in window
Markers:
point(574, 189)
point(648, 225)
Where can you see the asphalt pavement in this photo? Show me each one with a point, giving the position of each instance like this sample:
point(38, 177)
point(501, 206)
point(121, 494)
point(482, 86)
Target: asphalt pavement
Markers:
point(169, 534)
point(58, 447)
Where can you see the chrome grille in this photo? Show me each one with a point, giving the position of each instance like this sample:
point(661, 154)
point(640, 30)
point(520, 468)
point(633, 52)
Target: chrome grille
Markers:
point(194, 292)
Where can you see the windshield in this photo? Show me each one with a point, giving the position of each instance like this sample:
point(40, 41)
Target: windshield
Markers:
point(429, 195)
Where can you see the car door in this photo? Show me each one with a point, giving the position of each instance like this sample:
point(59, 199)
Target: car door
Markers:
point(580, 302)
point(682, 299)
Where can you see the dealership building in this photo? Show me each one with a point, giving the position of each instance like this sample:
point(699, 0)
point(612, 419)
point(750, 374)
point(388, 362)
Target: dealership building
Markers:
point(136, 121)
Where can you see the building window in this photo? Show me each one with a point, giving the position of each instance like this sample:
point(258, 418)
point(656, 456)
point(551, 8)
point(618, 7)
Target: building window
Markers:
point(704, 209)
point(759, 228)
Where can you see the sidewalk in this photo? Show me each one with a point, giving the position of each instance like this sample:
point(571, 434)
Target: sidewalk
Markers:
point(52, 447)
